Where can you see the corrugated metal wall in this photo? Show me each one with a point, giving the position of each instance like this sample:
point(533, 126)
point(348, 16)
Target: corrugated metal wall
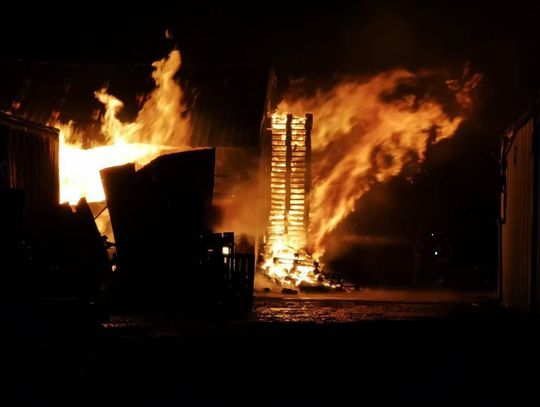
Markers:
point(517, 229)
point(227, 104)
point(29, 162)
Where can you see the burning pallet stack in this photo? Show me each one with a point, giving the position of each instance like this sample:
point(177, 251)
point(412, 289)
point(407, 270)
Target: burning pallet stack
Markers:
point(287, 260)
point(290, 180)
point(167, 253)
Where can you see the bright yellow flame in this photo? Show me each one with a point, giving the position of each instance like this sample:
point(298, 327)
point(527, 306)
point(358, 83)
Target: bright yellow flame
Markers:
point(160, 127)
point(286, 257)
point(361, 136)
point(290, 266)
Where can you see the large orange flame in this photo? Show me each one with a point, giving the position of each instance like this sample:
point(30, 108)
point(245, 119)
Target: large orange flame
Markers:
point(362, 136)
point(160, 126)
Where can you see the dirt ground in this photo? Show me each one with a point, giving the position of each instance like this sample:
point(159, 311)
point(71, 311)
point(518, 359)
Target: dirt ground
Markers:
point(312, 350)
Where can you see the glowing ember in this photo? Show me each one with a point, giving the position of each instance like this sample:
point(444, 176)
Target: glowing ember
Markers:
point(159, 127)
point(361, 136)
point(292, 267)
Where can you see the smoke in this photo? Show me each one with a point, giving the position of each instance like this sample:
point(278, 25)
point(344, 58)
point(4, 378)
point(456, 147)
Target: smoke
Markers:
point(238, 195)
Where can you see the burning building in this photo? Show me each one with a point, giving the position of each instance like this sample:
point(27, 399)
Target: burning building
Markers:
point(164, 202)
point(367, 131)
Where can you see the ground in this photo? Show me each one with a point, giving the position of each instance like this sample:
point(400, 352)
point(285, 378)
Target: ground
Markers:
point(291, 350)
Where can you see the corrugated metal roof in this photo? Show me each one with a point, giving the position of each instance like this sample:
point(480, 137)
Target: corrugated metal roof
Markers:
point(41, 91)
point(27, 126)
point(227, 103)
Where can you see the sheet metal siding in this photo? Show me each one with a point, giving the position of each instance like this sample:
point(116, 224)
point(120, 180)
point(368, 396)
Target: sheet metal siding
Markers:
point(518, 229)
point(227, 103)
point(29, 161)
point(535, 278)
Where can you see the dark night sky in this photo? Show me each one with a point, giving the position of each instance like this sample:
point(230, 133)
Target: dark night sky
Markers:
point(296, 38)
point(499, 39)
point(300, 38)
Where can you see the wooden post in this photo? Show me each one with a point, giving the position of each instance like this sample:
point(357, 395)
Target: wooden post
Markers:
point(307, 179)
point(288, 159)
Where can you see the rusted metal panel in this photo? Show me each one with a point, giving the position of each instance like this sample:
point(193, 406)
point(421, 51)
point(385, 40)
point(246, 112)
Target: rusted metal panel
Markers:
point(29, 162)
point(518, 207)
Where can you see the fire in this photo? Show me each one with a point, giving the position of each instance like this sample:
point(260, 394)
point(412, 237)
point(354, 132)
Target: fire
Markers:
point(286, 257)
point(290, 266)
point(160, 127)
point(364, 132)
